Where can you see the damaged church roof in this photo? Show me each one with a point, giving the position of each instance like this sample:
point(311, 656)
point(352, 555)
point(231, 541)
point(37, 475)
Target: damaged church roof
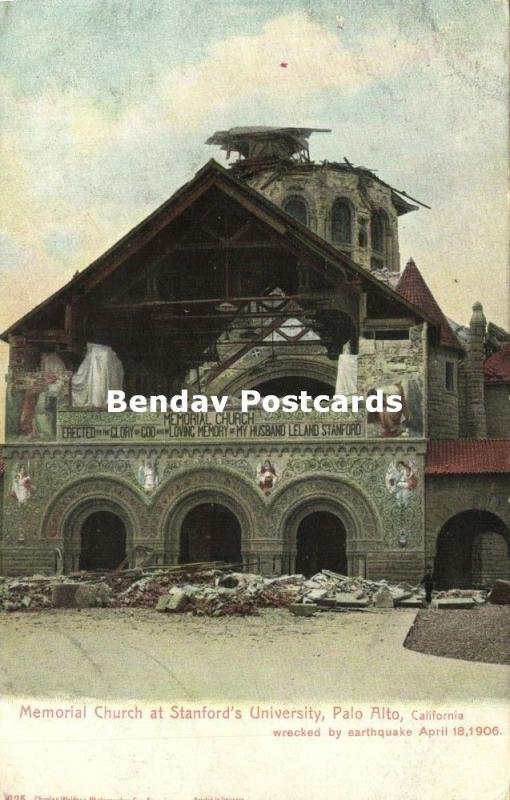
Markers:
point(247, 140)
point(262, 147)
point(211, 174)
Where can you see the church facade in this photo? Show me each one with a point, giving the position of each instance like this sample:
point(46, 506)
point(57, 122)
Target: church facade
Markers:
point(278, 275)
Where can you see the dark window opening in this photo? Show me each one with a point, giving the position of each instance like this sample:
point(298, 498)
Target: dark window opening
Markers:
point(449, 378)
point(341, 222)
point(103, 542)
point(377, 232)
point(210, 532)
point(400, 335)
point(296, 207)
point(321, 544)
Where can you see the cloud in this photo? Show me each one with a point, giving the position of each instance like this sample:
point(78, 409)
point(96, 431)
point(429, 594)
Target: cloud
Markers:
point(233, 71)
point(241, 67)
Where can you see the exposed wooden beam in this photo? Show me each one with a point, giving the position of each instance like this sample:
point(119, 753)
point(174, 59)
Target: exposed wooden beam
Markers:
point(395, 322)
point(148, 235)
point(228, 245)
point(311, 297)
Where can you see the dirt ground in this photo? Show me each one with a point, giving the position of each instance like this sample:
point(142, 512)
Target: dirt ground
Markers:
point(138, 653)
point(482, 634)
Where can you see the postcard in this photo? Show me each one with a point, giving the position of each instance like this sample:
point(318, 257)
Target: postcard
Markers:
point(255, 459)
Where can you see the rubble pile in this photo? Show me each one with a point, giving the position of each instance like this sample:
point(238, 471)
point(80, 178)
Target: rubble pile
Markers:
point(136, 588)
point(215, 590)
point(243, 593)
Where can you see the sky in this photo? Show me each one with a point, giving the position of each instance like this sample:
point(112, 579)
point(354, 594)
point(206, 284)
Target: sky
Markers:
point(105, 106)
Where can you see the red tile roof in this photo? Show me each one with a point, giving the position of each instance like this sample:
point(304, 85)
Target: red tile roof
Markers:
point(467, 457)
point(413, 288)
point(497, 367)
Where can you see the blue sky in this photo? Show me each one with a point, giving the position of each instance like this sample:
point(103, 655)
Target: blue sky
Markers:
point(105, 106)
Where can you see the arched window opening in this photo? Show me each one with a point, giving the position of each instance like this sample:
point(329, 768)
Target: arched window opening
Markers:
point(377, 229)
point(378, 243)
point(341, 222)
point(295, 206)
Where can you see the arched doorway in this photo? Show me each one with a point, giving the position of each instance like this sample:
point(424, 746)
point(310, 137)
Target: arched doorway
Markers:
point(210, 532)
point(472, 550)
point(102, 541)
point(321, 544)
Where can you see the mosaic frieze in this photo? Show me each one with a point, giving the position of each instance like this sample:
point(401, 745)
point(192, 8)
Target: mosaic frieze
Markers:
point(151, 478)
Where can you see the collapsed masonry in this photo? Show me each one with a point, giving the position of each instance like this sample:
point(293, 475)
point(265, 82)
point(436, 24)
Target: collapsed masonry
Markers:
point(215, 590)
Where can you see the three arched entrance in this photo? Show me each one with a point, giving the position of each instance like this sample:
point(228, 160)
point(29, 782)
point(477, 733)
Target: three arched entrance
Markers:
point(314, 523)
point(473, 549)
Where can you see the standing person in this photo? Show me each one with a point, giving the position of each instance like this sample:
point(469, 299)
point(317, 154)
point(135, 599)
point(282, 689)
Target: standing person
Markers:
point(428, 582)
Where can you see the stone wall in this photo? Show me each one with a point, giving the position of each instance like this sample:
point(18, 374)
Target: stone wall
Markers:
point(497, 407)
point(490, 560)
point(443, 405)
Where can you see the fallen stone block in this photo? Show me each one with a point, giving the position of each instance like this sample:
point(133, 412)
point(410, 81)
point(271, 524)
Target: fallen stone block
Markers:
point(176, 601)
point(326, 602)
point(454, 603)
point(162, 603)
point(410, 602)
point(90, 595)
point(383, 598)
point(347, 600)
point(500, 594)
point(316, 594)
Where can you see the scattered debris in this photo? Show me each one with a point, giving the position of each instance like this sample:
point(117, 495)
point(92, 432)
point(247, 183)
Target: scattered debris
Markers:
point(217, 589)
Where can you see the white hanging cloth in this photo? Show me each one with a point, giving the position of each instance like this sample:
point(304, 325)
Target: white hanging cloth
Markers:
point(347, 373)
point(100, 371)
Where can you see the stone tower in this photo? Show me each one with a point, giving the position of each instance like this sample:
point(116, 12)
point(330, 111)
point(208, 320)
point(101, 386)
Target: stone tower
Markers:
point(348, 206)
point(476, 417)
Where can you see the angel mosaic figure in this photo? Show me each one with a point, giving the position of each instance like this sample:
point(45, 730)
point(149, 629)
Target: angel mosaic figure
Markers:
point(148, 476)
point(401, 481)
point(22, 487)
point(267, 477)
